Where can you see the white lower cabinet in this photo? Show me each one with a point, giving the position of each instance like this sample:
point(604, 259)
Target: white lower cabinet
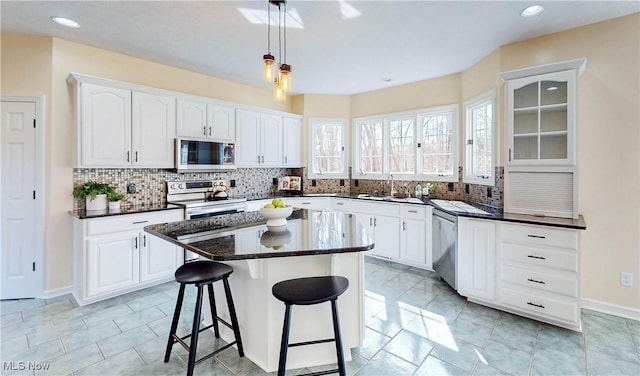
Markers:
point(112, 263)
point(313, 203)
point(114, 255)
point(477, 258)
point(387, 237)
point(415, 235)
point(538, 272)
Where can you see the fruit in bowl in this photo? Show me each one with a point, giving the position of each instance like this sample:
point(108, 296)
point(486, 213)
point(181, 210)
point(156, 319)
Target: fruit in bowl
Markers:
point(276, 213)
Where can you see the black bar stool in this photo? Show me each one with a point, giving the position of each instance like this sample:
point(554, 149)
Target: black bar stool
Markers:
point(308, 291)
point(203, 273)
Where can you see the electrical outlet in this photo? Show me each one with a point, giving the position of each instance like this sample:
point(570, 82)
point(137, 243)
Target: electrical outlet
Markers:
point(626, 279)
point(232, 183)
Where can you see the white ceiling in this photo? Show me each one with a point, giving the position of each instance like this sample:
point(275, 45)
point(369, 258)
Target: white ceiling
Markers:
point(339, 46)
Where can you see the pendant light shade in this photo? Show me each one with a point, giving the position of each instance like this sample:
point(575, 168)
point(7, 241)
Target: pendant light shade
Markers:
point(267, 72)
point(282, 80)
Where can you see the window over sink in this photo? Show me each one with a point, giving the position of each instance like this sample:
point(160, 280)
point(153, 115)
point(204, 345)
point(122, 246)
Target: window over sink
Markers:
point(413, 145)
point(327, 144)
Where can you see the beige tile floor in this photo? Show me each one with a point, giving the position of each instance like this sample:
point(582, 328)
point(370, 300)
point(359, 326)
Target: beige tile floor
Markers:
point(415, 325)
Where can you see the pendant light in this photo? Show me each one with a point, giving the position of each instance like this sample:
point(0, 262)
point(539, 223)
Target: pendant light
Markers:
point(283, 79)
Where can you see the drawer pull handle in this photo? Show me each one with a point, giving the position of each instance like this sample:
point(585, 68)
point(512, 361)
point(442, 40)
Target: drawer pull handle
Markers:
point(537, 236)
point(536, 281)
point(306, 203)
point(535, 305)
point(138, 222)
point(339, 203)
point(536, 257)
point(413, 211)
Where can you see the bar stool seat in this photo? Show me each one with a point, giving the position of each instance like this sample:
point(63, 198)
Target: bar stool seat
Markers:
point(200, 274)
point(309, 291)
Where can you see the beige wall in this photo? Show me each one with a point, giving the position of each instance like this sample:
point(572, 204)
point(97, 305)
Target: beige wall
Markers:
point(609, 127)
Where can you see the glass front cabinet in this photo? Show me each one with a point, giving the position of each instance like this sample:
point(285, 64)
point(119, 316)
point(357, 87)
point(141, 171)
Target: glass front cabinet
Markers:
point(541, 112)
point(540, 160)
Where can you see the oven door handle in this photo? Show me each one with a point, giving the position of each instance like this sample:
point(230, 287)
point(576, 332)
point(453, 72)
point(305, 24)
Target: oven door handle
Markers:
point(194, 212)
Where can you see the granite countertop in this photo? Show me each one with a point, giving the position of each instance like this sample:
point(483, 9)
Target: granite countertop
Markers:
point(88, 214)
point(486, 211)
point(221, 238)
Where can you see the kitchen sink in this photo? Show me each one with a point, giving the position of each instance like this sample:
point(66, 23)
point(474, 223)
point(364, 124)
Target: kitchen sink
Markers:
point(389, 198)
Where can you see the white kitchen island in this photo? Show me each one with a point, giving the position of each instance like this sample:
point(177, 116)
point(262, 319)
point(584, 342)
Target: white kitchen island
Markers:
point(315, 244)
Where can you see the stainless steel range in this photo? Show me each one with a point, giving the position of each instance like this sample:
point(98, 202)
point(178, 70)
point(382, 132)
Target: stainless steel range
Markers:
point(202, 199)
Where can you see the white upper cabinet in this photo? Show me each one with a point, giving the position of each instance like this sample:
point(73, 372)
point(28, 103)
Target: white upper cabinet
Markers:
point(541, 127)
point(259, 139)
point(205, 120)
point(222, 122)
point(541, 117)
point(105, 126)
point(153, 130)
point(120, 127)
point(292, 141)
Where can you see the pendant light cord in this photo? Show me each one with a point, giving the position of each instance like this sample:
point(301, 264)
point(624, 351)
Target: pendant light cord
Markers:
point(269, 27)
point(279, 35)
point(284, 60)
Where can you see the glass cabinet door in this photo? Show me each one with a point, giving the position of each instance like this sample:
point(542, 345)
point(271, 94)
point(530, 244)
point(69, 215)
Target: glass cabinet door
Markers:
point(540, 121)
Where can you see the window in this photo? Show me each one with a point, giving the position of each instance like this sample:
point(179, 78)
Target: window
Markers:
point(327, 148)
point(479, 159)
point(438, 143)
point(370, 133)
point(415, 145)
point(402, 152)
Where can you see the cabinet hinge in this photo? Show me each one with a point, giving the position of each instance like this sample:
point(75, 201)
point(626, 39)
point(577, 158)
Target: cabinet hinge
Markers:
point(34, 266)
point(34, 123)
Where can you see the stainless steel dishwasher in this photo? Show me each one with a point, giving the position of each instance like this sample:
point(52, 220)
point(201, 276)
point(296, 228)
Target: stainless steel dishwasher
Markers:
point(445, 237)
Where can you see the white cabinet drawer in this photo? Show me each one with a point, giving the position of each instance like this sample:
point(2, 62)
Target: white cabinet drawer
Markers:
point(540, 235)
point(413, 211)
point(548, 282)
point(315, 203)
point(541, 305)
point(386, 209)
point(128, 222)
point(539, 256)
point(255, 205)
point(341, 204)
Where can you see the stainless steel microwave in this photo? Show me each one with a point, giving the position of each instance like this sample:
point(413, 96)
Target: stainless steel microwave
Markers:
point(197, 155)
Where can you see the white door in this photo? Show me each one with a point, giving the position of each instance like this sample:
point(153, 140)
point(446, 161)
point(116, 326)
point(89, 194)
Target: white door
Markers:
point(247, 147)
point(153, 130)
point(387, 236)
point(292, 138)
point(105, 126)
point(113, 263)
point(271, 141)
point(191, 119)
point(18, 209)
point(157, 258)
point(413, 239)
point(222, 122)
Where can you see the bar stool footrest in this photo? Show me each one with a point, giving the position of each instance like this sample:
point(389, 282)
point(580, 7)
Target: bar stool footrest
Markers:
point(312, 342)
point(327, 372)
point(214, 353)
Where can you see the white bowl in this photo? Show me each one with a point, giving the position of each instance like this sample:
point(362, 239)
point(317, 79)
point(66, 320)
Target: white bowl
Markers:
point(272, 239)
point(276, 217)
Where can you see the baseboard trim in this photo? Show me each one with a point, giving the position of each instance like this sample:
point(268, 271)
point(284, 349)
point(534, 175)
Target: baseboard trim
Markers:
point(611, 309)
point(56, 292)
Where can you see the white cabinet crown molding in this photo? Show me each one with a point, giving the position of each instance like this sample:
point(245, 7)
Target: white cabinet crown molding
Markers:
point(579, 64)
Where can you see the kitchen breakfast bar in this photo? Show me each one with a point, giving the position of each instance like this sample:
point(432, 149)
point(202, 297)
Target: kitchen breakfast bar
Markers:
point(314, 244)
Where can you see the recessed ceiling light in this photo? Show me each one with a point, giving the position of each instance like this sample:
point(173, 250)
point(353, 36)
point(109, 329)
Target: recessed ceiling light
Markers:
point(65, 22)
point(386, 79)
point(552, 88)
point(531, 11)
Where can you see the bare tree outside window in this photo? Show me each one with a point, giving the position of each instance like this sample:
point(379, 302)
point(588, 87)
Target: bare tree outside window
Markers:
point(328, 147)
point(437, 148)
point(371, 136)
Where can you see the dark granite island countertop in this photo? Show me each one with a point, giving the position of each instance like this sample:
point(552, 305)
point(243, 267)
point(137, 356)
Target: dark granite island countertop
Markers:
point(332, 243)
point(223, 238)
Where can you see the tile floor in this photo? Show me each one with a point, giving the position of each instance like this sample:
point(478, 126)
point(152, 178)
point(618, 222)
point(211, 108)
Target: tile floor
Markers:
point(415, 325)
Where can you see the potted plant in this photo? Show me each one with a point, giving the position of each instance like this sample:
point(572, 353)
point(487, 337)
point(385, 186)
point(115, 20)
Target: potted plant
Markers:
point(428, 189)
point(114, 200)
point(94, 194)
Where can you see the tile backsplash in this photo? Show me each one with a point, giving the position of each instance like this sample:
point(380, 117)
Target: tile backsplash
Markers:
point(151, 187)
